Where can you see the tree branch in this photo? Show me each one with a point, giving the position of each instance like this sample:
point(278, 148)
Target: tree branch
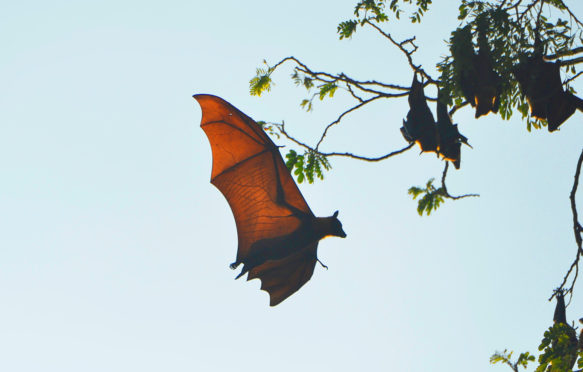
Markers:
point(577, 231)
point(444, 188)
point(408, 54)
point(282, 130)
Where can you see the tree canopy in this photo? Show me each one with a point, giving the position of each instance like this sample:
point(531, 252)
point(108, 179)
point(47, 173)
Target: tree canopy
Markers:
point(505, 58)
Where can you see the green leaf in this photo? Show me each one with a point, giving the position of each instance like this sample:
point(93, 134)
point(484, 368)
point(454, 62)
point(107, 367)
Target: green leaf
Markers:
point(327, 89)
point(430, 201)
point(261, 82)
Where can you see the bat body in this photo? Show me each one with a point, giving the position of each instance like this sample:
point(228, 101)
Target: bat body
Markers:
point(560, 316)
point(450, 139)
point(420, 125)
point(540, 81)
point(487, 81)
point(277, 232)
point(478, 81)
point(442, 137)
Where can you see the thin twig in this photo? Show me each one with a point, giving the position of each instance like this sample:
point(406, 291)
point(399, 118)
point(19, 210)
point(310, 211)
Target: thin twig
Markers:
point(282, 130)
point(571, 14)
point(577, 231)
point(573, 78)
point(407, 53)
point(353, 108)
point(444, 188)
point(347, 154)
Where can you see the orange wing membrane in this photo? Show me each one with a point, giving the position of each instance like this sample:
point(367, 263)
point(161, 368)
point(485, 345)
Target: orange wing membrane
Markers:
point(278, 233)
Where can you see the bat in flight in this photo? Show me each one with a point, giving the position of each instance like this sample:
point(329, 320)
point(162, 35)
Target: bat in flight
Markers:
point(442, 137)
point(277, 232)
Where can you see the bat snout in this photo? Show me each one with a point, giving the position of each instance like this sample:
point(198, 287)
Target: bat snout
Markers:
point(341, 233)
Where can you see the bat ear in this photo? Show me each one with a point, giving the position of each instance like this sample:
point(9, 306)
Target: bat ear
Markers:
point(335, 214)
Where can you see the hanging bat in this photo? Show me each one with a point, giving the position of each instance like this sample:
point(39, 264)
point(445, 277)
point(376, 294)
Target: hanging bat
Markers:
point(487, 95)
point(277, 232)
point(540, 81)
point(420, 126)
point(475, 75)
point(560, 317)
point(442, 137)
point(450, 139)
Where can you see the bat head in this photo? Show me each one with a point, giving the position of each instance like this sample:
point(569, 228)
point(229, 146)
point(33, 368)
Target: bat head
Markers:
point(337, 226)
point(330, 226)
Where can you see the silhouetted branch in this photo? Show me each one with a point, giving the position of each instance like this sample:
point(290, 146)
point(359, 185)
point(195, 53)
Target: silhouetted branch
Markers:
point(571, 14)
point(569, 62)
point(335, 122)
point(281, 128)
point(347, 154)
point(564, 53)
point(573, 78)
point(408, 53)
point(444, 188)
point(577, 231)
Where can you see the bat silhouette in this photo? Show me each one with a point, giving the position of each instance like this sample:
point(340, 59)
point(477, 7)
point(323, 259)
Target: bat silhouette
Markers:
point(277, 232)
point(540, 81)
point(560, 316)
point(478, 81)
point(420, 125)
point(450, 139)
point(442, 137)
point(487, 95)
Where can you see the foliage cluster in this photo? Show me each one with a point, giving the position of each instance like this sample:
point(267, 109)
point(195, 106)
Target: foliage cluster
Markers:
point(511, 31)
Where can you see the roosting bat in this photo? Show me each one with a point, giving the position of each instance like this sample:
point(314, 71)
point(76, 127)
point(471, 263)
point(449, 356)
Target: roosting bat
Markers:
point(479, 83)
point(442, 138)
point(420, 126)
point(450, 139)
point(540, 81)
point(560, 316)
point(278, 233)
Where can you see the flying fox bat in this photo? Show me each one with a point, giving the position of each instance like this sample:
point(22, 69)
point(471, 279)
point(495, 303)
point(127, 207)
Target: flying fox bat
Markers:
point(420, 125)
point(450, 139)
point(540, 81)
point(278, 233)
point(560, 317)
point(442, 137)
point(478, 81)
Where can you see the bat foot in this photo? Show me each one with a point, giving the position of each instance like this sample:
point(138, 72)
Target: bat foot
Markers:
point(234, 265)
point(324, 266)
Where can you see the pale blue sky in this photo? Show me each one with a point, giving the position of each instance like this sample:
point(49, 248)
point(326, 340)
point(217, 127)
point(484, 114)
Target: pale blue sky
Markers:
point(115, 246)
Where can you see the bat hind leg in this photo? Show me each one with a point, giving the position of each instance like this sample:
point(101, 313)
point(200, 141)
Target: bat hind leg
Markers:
point(244, 271)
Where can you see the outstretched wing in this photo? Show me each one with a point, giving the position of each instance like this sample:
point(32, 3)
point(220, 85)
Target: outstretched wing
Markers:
point(282, 278)
point(249, 171)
